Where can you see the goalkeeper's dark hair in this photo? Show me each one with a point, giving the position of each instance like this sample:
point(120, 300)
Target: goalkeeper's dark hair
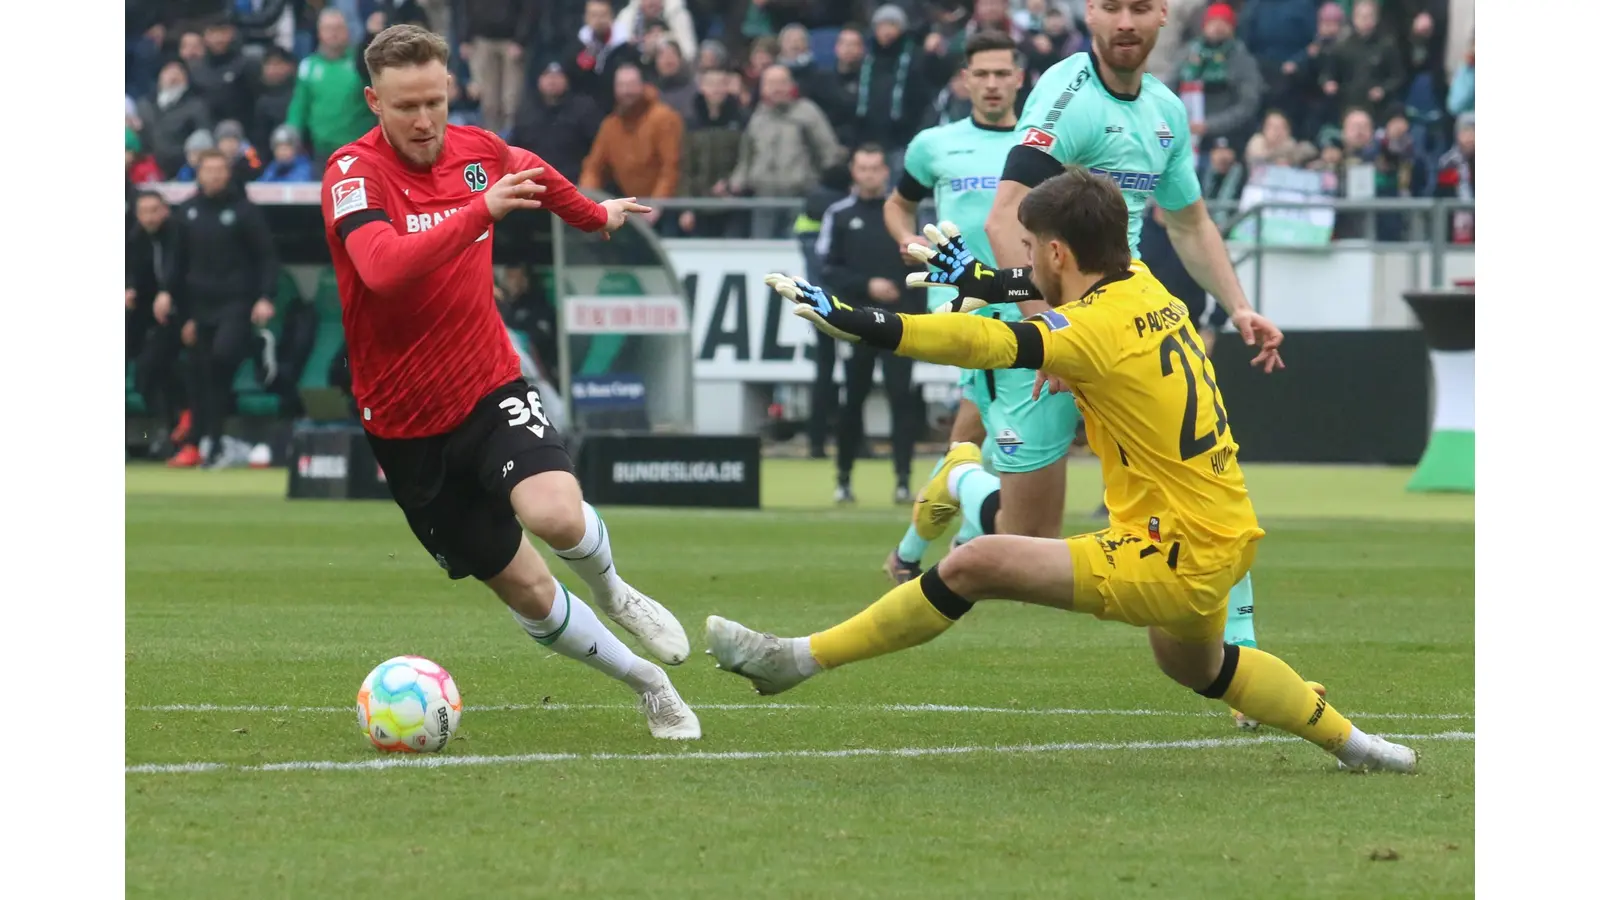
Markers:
point(986, 41)
point(1084, 211)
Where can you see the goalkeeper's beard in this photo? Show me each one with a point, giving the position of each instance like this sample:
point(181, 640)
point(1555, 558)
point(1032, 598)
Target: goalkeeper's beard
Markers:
point(1048, 281)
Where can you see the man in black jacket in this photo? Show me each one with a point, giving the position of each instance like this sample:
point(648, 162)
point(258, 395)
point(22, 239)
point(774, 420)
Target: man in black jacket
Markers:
point(226, 273)
point(152, 337)
point(833, 186)
point(862, 264)
point(556, 122)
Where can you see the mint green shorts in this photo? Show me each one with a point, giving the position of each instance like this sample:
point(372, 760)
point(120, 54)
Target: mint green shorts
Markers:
point(1024, 434)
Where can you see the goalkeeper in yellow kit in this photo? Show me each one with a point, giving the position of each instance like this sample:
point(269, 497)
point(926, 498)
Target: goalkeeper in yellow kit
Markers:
point(1183, 531)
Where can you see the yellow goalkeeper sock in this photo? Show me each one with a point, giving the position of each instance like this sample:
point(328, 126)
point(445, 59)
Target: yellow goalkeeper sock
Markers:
point(913, 613)
point(1264, 688)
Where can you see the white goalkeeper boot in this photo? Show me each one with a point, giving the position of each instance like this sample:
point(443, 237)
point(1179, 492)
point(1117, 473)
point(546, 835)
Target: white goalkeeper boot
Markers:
point(656, 628)
point(1379, 755)
point(772, 664)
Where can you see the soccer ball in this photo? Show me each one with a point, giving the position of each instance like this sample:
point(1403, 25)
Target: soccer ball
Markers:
point(409, 705)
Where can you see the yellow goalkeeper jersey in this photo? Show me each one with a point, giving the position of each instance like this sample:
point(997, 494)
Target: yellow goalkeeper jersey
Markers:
point(1150, 403)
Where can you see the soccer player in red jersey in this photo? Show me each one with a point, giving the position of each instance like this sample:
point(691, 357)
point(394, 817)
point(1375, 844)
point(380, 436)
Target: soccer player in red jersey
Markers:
point(463, 440)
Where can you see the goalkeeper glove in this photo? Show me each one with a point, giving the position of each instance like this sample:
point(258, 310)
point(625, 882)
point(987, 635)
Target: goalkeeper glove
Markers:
point(833, 317)
point(951, 264)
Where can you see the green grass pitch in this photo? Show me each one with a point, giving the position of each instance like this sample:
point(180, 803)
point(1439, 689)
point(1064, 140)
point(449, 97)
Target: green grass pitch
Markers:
point(1026, 753)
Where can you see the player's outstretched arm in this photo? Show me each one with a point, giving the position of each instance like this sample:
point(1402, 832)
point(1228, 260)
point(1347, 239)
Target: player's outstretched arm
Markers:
point(561, 196)
point(971, 342)
point(1200, 246)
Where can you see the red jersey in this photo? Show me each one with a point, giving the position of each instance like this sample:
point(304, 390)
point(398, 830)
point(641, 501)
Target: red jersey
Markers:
point(426, 342)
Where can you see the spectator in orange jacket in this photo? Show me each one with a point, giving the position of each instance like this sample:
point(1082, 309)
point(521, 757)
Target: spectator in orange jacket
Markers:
point(636, 152)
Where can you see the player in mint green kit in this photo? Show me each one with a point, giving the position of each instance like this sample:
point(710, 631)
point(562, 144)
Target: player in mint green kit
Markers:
point(960, 165)
point(1099, 109)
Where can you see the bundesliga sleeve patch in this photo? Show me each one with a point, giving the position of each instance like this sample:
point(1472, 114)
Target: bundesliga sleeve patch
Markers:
point(1055, 320)
point(349, 195)
point(1035, 137)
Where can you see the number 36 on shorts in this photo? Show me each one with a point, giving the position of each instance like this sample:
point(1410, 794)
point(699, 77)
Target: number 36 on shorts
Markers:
point(529, 415)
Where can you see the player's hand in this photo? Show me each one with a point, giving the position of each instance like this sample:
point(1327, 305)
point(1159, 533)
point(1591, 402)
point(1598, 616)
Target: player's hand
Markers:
point(882, 290)
point(1259, 332)
point(1056, 383)
point(909, 258)
point(189, 333)
point(262, 313)
point(515, 190)
point(617, 211)
point(162, 308)
point(129, 297)
point(812, 304)
point(951, 264)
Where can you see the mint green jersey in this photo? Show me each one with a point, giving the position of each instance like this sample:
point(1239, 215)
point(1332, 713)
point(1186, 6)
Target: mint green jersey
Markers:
point(960, 163)
point(1139, 142)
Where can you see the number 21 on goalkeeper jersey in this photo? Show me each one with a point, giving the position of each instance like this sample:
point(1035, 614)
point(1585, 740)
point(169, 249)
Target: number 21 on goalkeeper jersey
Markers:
point(1154, 415)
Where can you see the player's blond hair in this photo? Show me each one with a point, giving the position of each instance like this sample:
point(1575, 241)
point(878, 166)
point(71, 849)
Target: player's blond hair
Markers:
point(400, 46)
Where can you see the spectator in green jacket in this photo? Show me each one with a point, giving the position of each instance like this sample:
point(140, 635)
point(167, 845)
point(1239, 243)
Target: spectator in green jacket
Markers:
point(328, 108)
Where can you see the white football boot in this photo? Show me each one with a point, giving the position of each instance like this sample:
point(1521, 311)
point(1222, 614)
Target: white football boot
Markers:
point(1384, 756)
point(670, 718)
point(771, 663)
point(656, 628)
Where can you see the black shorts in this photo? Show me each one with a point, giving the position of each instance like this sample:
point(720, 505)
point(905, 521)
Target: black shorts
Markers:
point(455, 488)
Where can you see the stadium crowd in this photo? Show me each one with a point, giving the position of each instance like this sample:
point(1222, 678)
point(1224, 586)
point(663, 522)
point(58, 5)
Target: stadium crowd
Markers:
point(696, 98)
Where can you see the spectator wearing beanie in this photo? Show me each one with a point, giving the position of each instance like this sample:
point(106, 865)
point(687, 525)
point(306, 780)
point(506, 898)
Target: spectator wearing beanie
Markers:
point(1220, 63)
point(193, 146)
point(289, 163)
point(896, 84)
point(244, 159)
point(556, 122)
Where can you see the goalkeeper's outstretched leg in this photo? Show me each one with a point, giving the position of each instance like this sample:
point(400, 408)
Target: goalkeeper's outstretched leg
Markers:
point(1185, 617)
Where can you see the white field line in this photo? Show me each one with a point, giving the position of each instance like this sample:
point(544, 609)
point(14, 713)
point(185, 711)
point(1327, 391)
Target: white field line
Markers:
point(886, 707)
point(447, 760)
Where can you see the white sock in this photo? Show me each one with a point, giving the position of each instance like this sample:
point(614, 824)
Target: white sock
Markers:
point(803, 660)
point(573, 630)
point(1354, 752)
point(591, 559)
